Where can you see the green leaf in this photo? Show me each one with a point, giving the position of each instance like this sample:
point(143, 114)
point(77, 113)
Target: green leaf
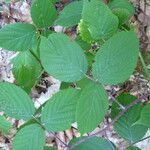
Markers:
point(46, 32)
point(31, 137)
point(36, 50)
point(70, 15)
point(27, 70)
point(133, 148)
point(100, 21)
point(122, 14)
point(43, 13)
point(15, 102)
point(124, 99)
point(123, 9)
point(90, 57)
point(144, 116)
point(84, 45)
point(18, 37)
point(5, 126)
point(65, 85)
point(59, 112)
point(117, 58)
point(84, 32)
point(63, 58)
point(94, 143)
point(92, 106)
point(54, 1)
point(50, 148)
point(113, 4)
point(125, 126)
point(128, 131)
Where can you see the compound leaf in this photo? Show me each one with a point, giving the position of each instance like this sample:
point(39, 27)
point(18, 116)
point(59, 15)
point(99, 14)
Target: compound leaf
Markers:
point(117, 58)
point(30, 137)
point(62, 58)
point(15, 102)
point(59, 112)
point(18, 37)
point(43, 13)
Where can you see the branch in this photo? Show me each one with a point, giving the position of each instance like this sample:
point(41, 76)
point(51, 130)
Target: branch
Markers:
point(135, 102)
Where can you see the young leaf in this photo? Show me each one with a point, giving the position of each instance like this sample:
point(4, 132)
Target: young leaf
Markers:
point(117, 58)
point(144, 116)
point(133, 148)
point(43, 13)
point(18, 37)
point(62, 58)
point(59, 112)
point(4, 125)
point(70, 15)
point(123, 9)
point(91, 107)
point(84, 45)
point(15, 102)
point(101, 22)
point(125, 125)
point(30, 137)
point(26, 70)
point(94, 143)
point(84, 32)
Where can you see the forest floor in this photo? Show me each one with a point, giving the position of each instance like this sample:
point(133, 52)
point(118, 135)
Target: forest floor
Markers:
point(138, 84)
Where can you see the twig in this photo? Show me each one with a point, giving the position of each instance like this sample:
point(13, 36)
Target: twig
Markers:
point(140, 140)
point(135, 102)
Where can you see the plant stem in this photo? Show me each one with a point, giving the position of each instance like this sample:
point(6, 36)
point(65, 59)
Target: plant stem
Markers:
point(140, 140)
point(120, 105)
point(144, 65)
point(49, 131)
point(142, 60)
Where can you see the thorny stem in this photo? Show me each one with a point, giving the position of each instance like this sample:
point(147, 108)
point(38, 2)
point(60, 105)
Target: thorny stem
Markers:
point(110, 124)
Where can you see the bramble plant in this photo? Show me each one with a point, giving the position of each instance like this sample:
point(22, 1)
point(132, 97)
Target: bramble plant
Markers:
point(105, 27)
